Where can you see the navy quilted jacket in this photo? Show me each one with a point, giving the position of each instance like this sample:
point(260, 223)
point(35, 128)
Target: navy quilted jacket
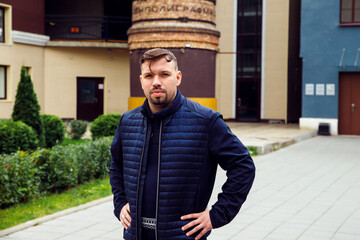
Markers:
point(193, 141)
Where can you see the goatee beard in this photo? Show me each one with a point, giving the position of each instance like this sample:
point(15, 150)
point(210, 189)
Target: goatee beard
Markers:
point(159, 101)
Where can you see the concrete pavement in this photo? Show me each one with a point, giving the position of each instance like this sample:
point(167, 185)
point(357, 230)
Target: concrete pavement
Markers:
point(269, 137)
point(310, 190)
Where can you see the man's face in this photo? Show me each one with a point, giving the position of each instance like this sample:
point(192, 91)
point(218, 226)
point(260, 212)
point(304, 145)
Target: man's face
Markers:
point(159, 82)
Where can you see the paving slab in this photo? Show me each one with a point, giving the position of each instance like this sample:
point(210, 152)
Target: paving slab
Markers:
point(309, 190)
point(267, 137)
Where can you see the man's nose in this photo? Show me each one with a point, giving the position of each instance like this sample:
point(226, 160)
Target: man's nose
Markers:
point(156, 81)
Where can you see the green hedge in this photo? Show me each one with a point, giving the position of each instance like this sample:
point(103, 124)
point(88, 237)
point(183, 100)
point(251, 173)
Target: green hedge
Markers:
point(92, 155)
point(57, 168)
point(24, 175)
point(18, 178)
point(16, 136)
point(105, 125)
point(3, 120)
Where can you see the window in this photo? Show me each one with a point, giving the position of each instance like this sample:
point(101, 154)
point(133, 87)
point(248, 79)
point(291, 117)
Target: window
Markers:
point(2, 25)
point(2, 82)
point(350, 11)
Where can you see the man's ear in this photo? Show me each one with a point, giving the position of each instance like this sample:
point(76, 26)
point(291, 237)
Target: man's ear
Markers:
point(141, 78)
point(178, 78)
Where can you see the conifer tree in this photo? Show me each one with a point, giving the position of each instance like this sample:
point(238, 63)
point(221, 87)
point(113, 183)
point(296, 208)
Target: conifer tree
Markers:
point(27, 108)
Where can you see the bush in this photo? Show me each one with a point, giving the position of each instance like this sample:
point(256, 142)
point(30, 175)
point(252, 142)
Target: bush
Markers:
point(54, 129)
point(3, 120)
point(78, 128)
point(104, 125)
point(16, 136)
point(57, 168)
point(94, 158)
point(24, 175)
point(18, 181)
point(27, 108)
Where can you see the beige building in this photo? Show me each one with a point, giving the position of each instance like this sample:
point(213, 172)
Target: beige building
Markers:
point(274, 84)
point(80, 79)
point(71, 78)
point(55, 71)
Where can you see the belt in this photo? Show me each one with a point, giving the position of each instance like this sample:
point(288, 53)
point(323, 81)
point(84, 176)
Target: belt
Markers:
point(148, 223)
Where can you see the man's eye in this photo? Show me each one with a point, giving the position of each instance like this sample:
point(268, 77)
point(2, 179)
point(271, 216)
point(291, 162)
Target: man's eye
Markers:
point(165, 74)
point(148, 75)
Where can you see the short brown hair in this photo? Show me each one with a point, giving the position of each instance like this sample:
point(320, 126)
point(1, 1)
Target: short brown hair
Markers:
point(157, 53)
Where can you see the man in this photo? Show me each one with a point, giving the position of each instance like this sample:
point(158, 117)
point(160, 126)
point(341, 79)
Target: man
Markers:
point(164, 159)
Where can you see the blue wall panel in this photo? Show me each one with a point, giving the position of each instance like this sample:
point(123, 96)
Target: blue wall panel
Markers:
point(322, 43)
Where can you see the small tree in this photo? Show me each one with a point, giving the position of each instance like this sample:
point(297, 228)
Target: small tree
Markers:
point(27, 108)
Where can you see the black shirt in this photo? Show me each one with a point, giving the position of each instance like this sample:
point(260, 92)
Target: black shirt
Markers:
point(150, 186)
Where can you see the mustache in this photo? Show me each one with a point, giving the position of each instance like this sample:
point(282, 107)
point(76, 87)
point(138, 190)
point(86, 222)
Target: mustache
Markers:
point(157, 89)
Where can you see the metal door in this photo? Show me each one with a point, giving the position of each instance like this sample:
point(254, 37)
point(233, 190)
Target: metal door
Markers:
point(90, 98)
point(349, 103)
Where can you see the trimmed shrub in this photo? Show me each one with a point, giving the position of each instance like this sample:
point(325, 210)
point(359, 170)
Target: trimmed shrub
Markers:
point(78, 128)
point(24, 175)
point(57, 168)
point(105, 125)
point(54, 129)
point(3, 120)
point(16, 136)
point(18, 181)
point(93, 160)
point(27, 108)
point(103, 157)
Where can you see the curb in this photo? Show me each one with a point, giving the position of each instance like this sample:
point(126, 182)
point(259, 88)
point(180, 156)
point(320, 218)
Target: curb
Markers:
point(272, 145)
point(46, 218)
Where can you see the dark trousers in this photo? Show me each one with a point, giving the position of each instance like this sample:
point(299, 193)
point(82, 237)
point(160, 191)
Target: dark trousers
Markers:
point(147, 234)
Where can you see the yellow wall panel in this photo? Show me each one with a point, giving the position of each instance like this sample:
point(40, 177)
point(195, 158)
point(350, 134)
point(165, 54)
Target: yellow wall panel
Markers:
point(276, 59)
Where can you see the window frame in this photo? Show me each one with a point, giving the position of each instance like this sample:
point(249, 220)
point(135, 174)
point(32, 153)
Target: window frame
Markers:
point(5, 82)
point(2, 40)
point(353, 22)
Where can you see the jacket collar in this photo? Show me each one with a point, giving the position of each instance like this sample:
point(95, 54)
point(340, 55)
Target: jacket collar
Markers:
point(175, 105)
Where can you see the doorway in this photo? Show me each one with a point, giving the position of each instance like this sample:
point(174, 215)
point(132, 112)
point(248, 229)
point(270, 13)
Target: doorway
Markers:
point(90, 98)
point(248, 80)
point(349, 103)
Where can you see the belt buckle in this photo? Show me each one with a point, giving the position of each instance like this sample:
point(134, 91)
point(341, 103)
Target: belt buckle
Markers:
point(148, 223)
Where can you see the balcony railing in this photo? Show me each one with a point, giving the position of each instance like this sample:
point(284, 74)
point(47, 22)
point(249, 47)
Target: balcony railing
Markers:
point(100, 28)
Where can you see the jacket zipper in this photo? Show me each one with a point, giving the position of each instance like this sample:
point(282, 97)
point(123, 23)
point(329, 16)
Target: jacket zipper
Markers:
point(158, 185)
point(138, 183)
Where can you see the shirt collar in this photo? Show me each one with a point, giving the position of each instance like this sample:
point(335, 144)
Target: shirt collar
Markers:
point(174, 106)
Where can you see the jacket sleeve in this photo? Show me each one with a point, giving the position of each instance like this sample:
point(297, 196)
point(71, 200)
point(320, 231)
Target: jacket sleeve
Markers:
point(228, 151)
point(116, 174)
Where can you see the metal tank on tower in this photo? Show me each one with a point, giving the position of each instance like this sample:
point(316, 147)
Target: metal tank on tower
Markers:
point(185, 27)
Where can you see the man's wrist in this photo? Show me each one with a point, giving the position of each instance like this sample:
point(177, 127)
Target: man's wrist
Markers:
point(213, 219)
point(117, 210)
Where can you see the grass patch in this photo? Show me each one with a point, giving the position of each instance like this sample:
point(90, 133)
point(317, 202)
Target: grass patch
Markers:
point(69, 141)
point(46, 205)
point(253, 151)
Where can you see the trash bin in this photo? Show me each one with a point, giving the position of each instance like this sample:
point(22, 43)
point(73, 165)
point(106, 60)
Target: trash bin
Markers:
point(324, 129)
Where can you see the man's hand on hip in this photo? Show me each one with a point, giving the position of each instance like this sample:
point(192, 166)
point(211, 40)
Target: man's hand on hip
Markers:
point(201, 221)
point(125, 216)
